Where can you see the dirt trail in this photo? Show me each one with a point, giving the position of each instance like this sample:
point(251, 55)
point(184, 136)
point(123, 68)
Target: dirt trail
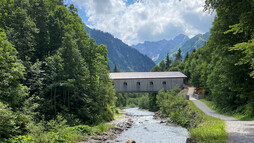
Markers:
point(238, 131)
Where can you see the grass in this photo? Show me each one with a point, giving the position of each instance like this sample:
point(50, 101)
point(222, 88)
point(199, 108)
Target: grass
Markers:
point(210, 130)
point(202, 128)
point(102, 128)
point(239, 116)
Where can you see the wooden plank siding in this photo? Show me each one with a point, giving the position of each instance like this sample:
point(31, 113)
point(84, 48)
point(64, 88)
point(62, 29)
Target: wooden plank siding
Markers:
point(146, 84)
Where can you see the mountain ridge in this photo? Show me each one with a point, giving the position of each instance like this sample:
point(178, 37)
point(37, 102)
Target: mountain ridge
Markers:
point(126, 58)
point(158, 51)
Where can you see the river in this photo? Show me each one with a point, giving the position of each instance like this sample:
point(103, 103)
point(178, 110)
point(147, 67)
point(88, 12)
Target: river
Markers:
point(145, 129)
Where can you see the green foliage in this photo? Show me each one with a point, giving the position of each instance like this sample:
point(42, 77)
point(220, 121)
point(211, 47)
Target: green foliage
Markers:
point(168, 62)
point(7, 121)
point(224, 65)
point(156, 68)
point(162, 65)
point(52, 131)
point(141, 100)
point(176, 108)
point(203, 128)
point(241, 116)
point(49, 66)
point(144, 102)
point(247, 49)
point(152, 106)
point(11, 74)
point(56, 131)
point(102, 128)
point(210, 130)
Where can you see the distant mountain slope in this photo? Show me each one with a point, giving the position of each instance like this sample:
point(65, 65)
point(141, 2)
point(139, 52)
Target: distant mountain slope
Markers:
point(158, 50)
point(188, 46)
point(120, 54)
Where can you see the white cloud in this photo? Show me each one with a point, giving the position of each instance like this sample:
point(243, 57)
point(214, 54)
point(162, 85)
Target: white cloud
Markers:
point(148, 20)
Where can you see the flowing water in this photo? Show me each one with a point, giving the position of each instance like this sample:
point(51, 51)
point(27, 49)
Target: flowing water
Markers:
point(145, 129)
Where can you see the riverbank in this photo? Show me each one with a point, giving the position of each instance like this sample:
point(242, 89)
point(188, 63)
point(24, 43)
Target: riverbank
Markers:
point(120, 124)
point(238, 131)
point(202, 128)
point(146, 129)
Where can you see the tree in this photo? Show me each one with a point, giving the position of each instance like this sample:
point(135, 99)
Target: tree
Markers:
point(179, 55)
point(156, 68)
point(178, 58)
point(12, 92)
point(168, 62)
point(224, 65)
point(116, 69)
point(186, 56)
point(7, 121)
point(162, 65)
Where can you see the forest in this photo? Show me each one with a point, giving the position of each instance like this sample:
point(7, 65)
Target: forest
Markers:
point(52, 74)
point(224, 67)
point(54, 81)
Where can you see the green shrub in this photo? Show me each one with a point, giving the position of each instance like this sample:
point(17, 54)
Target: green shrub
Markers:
point(7, 122)
point(54, 131)
point(102, 128)
point(203, 128)
point(84, 129)
point(144, 102)
point(176, 108)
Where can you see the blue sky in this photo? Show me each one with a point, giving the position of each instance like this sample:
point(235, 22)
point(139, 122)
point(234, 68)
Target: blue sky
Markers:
point(136, 21)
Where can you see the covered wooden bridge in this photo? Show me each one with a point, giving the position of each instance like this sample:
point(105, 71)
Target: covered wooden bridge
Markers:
point(125, 82)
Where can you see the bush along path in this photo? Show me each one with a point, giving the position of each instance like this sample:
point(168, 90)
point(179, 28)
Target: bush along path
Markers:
point(238, 131)
point(202, 128)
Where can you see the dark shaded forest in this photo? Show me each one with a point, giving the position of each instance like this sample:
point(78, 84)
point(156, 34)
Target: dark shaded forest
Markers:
point(50, 69)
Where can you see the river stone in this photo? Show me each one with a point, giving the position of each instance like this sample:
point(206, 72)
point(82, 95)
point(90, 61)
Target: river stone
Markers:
point(189, 140)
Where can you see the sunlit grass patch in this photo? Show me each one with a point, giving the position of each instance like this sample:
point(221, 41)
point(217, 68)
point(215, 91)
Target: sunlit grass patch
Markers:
point(102, 128)
point(210, 130)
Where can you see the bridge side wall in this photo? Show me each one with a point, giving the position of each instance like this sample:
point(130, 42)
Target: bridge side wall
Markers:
point(146, 85)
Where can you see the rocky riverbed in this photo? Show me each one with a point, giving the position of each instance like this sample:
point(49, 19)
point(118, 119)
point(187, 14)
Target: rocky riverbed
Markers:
point(143, 127)
point(147, 129)
point(121, 124)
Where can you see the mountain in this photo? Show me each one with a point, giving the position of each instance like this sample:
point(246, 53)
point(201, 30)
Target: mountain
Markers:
point(120, 54)
point(158, 50)
point(188, 46)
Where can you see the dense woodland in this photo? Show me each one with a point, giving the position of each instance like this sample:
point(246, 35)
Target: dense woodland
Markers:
point(54, 77)
point(224, 66)
point(49, 67)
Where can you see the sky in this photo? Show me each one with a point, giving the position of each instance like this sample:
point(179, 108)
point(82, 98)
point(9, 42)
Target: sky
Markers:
point(136, 21)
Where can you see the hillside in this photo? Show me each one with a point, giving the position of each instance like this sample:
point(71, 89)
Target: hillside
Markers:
point(158, 50)
point(188, 46)
point(120, 54)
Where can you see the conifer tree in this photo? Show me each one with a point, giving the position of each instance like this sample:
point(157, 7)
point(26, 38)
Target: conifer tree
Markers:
point(116, 69)
point(168, 62)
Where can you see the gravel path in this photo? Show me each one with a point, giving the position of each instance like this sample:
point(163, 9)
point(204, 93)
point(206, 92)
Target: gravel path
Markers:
point(238, 131)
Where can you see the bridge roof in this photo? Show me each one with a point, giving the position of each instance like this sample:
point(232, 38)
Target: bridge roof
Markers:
point(146, 75)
